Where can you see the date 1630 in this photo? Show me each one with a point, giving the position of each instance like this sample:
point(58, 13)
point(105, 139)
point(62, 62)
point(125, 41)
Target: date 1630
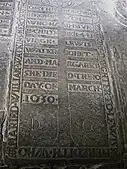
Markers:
point(40, 99)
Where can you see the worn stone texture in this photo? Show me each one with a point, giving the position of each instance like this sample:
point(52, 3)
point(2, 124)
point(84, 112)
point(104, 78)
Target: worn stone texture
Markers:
point(6, 21)
point(63, 84)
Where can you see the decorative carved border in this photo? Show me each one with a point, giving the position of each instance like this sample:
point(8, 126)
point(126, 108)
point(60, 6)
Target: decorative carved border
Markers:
point(15, 93)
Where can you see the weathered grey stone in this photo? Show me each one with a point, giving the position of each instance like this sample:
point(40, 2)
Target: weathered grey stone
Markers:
point(63, 84)
point(6, 22)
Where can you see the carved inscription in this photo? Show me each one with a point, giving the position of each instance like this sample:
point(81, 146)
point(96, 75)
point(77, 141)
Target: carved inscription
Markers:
point(4, 22)
point(45, 51)
point(43, 9)
point(60, 86)
point(91, 54)
point(84, 88)
point(15, 89)
point(41, 62)
point(84, 79)
point(83, 76)
point(78, 26)
point(45, 86)
point(58, 153)
point(86, 12)
point(4, 31)
point(6, 5)
point(6, 16)
point(47, 23)
point(82, 64)
point(40, 73)
point(40, 99)
point(44, 16)
point(76, 34)
point(80, 43)
point(42, 41)
point(78, 19)
point(41, 32)
point(5, 13)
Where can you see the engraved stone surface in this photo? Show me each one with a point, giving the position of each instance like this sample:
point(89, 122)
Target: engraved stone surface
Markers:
point(6, 16)
point(64, 77)
point(6, 22)
point(4, 79)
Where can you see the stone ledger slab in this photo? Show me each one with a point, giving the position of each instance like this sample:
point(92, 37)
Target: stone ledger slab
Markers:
point(61, 104)
point(59, 93)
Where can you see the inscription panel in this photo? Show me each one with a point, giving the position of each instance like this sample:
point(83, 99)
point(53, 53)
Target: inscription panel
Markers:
point(61, 104)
